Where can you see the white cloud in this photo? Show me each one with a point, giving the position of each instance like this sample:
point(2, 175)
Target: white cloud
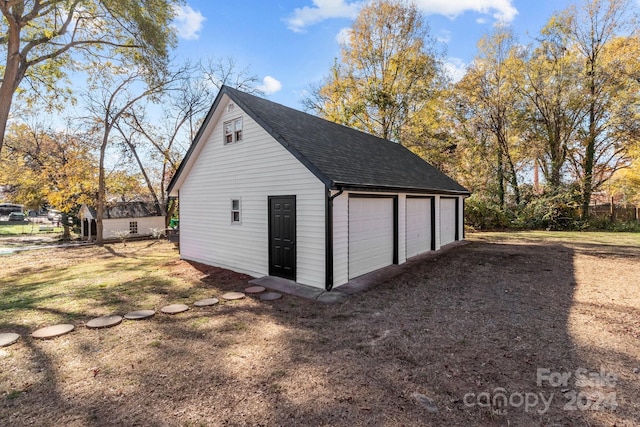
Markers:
point(502, 10)
point(188, 22)
point(456, 68)
point(343, 36)
point(444, 36)
point(322, 9)
point(302, 17)
point(270, 85)
point(481, 21)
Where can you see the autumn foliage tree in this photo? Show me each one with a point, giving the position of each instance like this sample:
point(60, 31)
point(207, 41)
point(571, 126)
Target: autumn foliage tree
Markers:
point(486, 105)
point(47, 167)
point(388, 72)
point(597, 30)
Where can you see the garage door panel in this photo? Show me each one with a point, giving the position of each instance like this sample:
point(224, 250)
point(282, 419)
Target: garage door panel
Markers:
point(447, 221)
point(370, 234)
point(418, 226)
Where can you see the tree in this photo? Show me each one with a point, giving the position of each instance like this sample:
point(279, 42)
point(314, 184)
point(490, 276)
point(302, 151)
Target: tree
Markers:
point(38, 38)
point(486, 99)
point(553, 106)
point(113, 93)
point(46, 167)
point(387, 73)
point(592, 30)
point(182, 113)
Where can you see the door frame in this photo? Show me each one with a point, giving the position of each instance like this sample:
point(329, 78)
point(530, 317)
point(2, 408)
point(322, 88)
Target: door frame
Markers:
point(270, 237)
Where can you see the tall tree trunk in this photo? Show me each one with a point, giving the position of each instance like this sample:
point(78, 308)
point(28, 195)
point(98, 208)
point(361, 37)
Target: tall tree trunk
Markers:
point(513, 179)
point(503, 145)
point(500, 179)
point(590, 149)
point(11, 77)
point(101, 191)
point(557, 161)
point(66, 230)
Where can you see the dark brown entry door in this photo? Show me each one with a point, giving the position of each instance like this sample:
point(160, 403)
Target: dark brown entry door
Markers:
point(282, 236)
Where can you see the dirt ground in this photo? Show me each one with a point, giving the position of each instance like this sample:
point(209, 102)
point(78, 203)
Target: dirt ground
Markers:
point(513, 333)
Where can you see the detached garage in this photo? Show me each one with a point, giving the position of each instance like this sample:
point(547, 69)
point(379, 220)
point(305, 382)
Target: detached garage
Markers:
point(268, 190)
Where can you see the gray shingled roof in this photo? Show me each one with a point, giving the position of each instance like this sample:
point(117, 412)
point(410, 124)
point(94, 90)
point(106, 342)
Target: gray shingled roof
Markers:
point(340, 156)
point(127, 210)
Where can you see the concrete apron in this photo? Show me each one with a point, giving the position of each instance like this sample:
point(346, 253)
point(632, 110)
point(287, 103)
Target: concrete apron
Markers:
point(353, 286)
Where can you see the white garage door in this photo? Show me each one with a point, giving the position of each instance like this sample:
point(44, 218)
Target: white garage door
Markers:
point(447, 221)
point(370, 234)
point(418, 226)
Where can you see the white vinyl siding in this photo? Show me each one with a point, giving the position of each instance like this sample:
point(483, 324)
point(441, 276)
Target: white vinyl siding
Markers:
point(418, 226)
point(111, 227)
point(447, 220)
point(251, 171)
point(370, 234)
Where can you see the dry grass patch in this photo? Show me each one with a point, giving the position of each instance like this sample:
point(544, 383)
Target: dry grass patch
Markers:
point(478, 321)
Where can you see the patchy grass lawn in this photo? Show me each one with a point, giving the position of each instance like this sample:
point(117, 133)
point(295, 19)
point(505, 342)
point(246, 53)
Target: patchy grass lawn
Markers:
point(457, 332)
point(26, 228)
point(18, 229)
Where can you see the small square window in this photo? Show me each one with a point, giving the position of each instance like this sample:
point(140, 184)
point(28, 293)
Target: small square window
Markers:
point(133, 227)
point(235, 211)
point(233, 131)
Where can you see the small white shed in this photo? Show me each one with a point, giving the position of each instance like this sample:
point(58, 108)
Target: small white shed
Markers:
point(268, 190)
point(137, 219)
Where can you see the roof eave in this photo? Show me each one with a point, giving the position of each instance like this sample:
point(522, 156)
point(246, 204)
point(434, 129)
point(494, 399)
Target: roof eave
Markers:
point(396, 189)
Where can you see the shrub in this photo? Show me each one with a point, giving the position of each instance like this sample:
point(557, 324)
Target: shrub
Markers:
point(551, 212)
point(485, 215)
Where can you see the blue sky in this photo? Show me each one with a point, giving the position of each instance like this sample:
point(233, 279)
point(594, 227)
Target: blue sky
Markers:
point(290, 44)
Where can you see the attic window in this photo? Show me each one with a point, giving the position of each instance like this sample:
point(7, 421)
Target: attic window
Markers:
point(235, 211)
point(233, 131)
point(231, 106)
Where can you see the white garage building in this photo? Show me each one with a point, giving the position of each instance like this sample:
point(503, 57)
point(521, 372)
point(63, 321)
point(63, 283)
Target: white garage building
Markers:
point(268, 190)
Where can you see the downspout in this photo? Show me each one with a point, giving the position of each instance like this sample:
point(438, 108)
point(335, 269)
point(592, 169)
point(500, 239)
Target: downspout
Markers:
point(329, 239)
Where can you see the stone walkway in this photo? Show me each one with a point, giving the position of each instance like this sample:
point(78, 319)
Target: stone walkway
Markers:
point(48, 332)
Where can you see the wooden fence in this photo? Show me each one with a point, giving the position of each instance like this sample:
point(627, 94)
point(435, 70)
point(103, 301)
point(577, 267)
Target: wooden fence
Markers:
point(615, 213)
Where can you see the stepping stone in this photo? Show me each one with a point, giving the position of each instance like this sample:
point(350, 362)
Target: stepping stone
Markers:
point(426, 402)
point(205, 302)
point(8, 339)
point(270, 296)
point(174, 308)
point(52, 331)
point(139, 314)
point(255, 289)
point(233, 295)
point(104, 322)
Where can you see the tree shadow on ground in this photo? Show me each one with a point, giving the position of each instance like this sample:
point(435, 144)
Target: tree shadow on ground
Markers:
point(478, 322)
